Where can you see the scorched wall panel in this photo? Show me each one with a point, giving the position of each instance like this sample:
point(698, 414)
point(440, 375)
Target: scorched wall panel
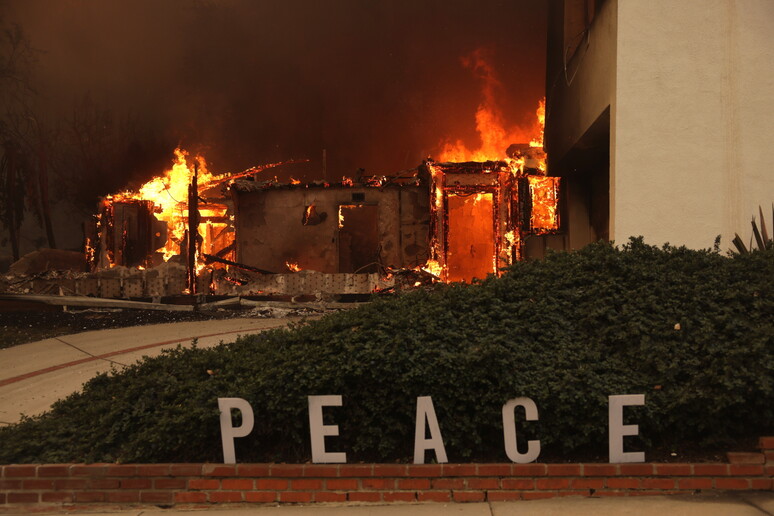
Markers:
point(272, 229)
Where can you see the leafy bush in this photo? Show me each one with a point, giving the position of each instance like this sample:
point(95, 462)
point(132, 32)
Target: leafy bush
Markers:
point(692, 330)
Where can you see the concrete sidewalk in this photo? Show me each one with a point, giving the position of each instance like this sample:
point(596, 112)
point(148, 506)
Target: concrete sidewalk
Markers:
point(35, 375)
point(733, 504)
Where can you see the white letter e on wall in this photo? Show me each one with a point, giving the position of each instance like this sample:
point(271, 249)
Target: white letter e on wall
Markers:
point(318, 430)
point(618, 430)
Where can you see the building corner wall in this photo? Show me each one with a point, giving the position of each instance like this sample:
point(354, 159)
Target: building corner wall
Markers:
point(579, 98)
point(691, 120)
point(613, 123)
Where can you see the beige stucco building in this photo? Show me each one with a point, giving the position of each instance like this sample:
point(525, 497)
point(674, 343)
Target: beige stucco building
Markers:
point(660, 117)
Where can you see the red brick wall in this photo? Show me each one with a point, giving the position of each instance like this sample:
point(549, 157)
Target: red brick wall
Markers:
point(187, 484)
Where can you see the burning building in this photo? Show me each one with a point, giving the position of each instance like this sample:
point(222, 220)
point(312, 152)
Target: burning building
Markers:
point(483, 213)
point(346, 227)
point(184, 216)
point(456, 220)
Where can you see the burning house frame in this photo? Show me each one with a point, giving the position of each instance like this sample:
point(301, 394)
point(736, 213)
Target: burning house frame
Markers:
point(237, 234)
point(153, 226)
point(455, 221)
point(483, 211)
point(329, 238)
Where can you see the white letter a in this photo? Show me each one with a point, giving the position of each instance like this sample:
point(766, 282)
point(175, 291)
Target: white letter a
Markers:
point(426, 413)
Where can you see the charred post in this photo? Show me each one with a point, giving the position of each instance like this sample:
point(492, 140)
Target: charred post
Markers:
point(193, 229)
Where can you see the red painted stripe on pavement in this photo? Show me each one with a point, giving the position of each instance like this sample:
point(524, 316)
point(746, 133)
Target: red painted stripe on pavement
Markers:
point(32, 374)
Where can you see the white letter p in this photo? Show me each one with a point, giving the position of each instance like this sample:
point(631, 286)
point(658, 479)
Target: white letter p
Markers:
point(229, 432)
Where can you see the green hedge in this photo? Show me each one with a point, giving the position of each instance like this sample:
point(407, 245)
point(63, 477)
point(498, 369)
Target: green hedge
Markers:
point(692, 330)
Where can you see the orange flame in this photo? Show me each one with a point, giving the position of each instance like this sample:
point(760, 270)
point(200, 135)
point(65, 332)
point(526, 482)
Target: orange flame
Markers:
point(433, 267)
point(541, 117)
point(293, 266)
point(520, 147)
point(169, 194)
point(545, 216)
point(171, 189)
point(341, 216)
point(494, 135)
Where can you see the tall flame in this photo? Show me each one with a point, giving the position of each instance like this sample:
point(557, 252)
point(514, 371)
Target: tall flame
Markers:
point(170, 190)
point(494, 135)
point(521, 149)
point(541, 117)
point(169, 194)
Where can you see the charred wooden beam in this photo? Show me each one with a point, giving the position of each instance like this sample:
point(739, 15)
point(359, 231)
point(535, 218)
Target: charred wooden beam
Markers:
point(253, 170)
point(223, 252)
point(208, 258)
point(193, 229)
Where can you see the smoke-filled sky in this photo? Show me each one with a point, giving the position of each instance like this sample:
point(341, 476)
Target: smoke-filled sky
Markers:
point(379, 84)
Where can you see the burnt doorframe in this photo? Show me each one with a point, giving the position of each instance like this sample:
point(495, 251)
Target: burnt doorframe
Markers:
point(497, 179)
point(469, 191)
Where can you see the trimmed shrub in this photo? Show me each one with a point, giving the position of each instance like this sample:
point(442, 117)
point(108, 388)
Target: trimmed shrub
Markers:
point(692, 330)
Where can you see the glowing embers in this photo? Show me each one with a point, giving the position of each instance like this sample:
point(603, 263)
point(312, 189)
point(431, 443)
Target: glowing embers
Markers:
point(544, 196)
point(470, 250)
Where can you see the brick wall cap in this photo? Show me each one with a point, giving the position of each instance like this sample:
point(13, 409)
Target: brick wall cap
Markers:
point(766, 443)
point(745, 458)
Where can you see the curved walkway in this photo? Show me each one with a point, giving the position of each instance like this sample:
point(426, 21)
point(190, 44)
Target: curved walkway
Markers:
point(35, 375)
